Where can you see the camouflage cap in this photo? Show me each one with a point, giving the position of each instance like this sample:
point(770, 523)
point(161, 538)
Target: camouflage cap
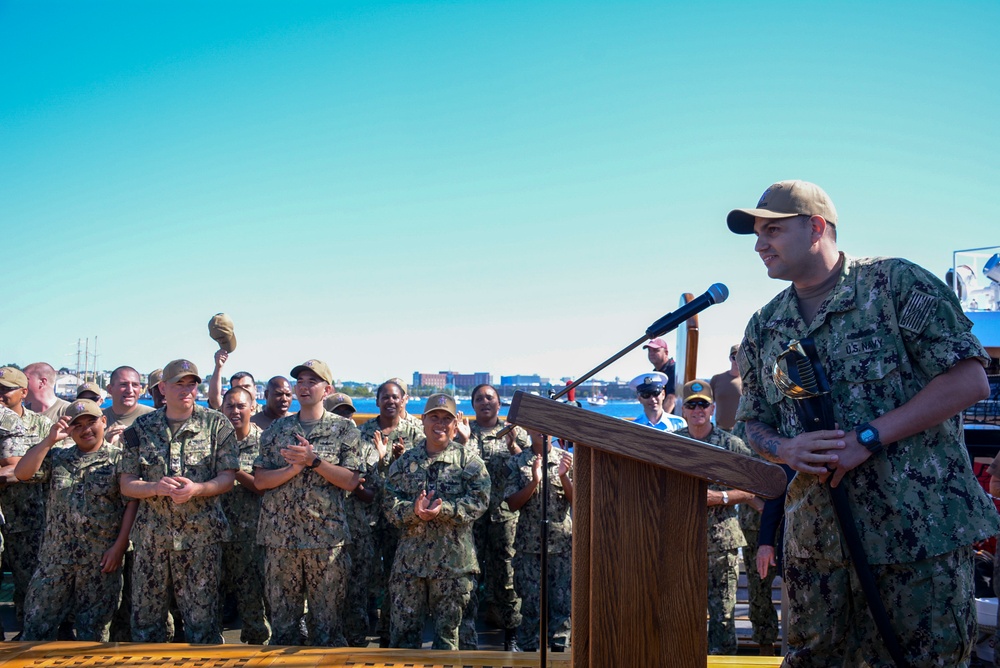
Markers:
point(318, 367)
point(82, 407)
point(697, 389)
point(11, 377)
point(92, 388)
point(179, 369)
point(441, 402)
point(337, 400)
point(220, 328)
point(154, 377)
point(784, 199)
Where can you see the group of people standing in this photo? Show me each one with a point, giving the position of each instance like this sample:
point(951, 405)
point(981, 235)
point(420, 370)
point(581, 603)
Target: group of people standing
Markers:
point(310, 522)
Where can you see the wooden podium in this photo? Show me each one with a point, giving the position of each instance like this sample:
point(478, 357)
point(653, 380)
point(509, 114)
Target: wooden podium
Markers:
point(640, 553)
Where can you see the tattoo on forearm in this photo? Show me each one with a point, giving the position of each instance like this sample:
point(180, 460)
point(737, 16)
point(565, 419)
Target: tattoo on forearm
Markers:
point(763, 439)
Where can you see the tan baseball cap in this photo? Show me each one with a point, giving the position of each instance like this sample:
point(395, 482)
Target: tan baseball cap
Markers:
point(93, 388)
point(698, 389)
point(441, 402)
point(318, 367)
point(785, 199)
point(398, 381)
point(220, 328)
point(82, 407)
point(336, 400)
point(178, 369)
point(154, 377)
point(11, 377)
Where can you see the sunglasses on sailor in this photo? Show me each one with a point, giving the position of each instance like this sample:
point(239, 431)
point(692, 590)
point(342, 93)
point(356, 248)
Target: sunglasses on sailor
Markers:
point(697, 403)
point(650, 395)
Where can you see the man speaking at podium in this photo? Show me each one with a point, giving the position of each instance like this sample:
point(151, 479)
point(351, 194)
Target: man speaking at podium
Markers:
point(902, 365)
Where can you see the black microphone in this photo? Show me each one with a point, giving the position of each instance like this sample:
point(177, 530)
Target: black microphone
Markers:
point(716, 294)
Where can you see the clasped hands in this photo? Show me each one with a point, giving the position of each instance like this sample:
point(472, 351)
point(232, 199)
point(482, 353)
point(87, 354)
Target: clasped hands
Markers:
point(178, 488)
point(426, 506)
point(827, 453)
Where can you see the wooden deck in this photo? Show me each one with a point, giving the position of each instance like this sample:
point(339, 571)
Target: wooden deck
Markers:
point(85, 654)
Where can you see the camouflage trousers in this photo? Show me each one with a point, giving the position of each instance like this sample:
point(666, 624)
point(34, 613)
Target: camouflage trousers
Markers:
point(495, 586)
point(243, 575)
point(723, 575)
point(362, 553)
point(192, 576)
point(292, 577)
point(82, 588)
point(21, 557)
point(763, 616)
point(930, 605)
point(414, 598)
point(527, 579)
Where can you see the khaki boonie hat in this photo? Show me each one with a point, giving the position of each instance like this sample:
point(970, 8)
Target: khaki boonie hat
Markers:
point(337, 400)
point(93, 388)
point(11, 377)
point(178, 369)
point(698, 389)
point(82, 407)
point(441, 402)
point(785, 199)
point(220, 328)
point(318, 367)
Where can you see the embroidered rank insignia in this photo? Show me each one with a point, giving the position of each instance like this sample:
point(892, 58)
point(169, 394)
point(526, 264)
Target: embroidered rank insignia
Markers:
point(917, 312)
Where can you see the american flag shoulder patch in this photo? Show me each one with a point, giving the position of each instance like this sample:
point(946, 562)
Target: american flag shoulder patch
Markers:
point(917, 312)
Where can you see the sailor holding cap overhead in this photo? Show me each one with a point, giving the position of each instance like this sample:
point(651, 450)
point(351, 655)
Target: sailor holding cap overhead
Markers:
point(649, 388)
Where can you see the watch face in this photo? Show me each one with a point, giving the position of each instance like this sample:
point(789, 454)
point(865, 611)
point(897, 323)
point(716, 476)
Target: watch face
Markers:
point(867, 436)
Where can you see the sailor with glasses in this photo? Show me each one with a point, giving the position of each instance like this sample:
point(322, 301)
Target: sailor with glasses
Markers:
point(724, 534)
point(649, 389)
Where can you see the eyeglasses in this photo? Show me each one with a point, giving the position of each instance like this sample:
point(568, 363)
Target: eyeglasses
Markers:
point(649, 395)
point(698, 403)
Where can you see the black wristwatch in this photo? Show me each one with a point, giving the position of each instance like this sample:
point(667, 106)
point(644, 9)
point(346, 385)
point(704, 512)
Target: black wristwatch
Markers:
point(315, 464)
point(868, 437)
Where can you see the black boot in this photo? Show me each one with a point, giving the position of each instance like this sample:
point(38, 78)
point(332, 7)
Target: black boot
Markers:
point(509, 641)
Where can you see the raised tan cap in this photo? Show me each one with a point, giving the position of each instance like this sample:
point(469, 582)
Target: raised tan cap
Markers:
point(318, 367)
point(82, 407)
point(441, 402)
point(698, 389)
point(93, 388)
point(398, 381)
point(785, 199)
point(154, 377)
point(220, 328)
point(178, 369)
point(336, 400)
point(11, 377)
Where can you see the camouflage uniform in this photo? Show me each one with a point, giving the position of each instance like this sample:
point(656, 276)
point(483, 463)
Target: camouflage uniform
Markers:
point(385, 536)
point(178, 546)
point(84, 517)
point(242, 558)
point(724, 541)
point(24, 508)
point(885, 330)
point(361, 519)
point(303, 527)
point(11, 431)
point(436, 560)
point(528, 545)
point(494, 534)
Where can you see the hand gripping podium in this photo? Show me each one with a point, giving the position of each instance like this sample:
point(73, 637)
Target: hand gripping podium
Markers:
point(640, 553)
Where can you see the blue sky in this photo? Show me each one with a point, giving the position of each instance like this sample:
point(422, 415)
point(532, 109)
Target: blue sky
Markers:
point(514, 187)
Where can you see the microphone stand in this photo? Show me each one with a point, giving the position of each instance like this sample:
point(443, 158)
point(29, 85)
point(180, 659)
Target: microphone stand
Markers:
point(543, 591)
